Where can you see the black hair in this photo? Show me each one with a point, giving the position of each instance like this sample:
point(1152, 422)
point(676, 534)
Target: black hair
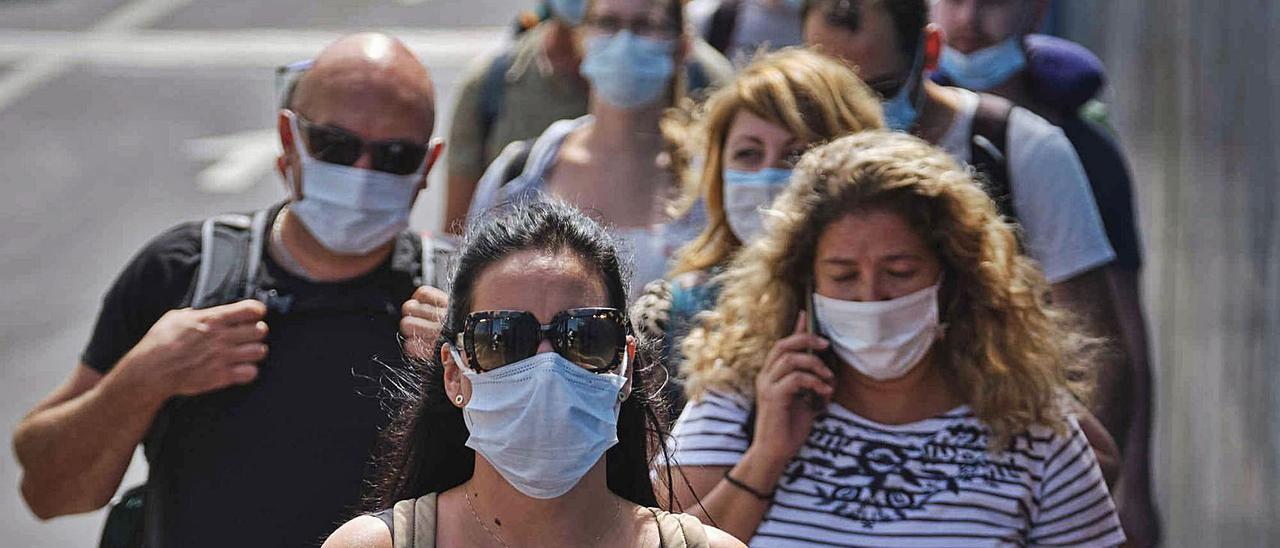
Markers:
point(423, 451)
point(909, 17)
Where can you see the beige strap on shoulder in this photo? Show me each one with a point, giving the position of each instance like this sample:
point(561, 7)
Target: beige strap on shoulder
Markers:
point(414, 523)
point(679, 530)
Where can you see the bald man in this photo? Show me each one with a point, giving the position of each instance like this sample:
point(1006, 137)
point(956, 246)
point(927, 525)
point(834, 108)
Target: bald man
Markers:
point(259, 415)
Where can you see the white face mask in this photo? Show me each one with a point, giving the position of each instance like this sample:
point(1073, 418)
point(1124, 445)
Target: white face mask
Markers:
point(881, 339)
point(543, 421)
point(350, 210)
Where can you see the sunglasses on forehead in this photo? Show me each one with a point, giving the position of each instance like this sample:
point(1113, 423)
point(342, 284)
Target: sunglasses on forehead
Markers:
point(594, 338)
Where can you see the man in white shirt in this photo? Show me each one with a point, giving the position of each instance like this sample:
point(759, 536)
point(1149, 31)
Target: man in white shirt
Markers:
point(988, 49)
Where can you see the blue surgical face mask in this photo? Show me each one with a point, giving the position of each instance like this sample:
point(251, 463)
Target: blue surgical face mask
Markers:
point(350, 210)
point(629, 71)
point(900, 111)
point(746, 193)
point(986, 68)
point(543, 421)
point(569, 11)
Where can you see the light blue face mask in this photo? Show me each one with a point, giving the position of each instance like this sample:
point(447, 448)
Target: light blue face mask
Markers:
point(746, 193)
point(543, 421)
point(350, 210)
point(628, 71)
point(569, 11)
point(986, 68)
point(900, 112)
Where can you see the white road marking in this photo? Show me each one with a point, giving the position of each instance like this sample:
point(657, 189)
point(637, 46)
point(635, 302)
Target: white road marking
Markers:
point(237, 48)
point(44, 66)
point(239, 159)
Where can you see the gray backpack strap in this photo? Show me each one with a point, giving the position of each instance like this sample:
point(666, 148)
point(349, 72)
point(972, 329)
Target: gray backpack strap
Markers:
point(230, 258)
point(679, 530)
point(414, 523)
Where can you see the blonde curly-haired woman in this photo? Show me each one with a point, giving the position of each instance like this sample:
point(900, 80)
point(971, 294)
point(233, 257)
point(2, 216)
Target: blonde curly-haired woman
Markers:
point(883, 369)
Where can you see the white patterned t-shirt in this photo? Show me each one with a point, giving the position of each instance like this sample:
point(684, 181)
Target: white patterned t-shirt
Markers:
point(856, 482)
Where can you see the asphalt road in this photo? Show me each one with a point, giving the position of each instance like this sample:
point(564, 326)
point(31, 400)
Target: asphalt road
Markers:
point(122, 118)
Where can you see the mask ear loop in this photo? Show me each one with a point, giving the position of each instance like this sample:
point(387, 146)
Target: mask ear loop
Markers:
point(457, 357)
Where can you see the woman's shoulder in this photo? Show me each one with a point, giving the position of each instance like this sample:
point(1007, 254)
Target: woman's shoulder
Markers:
point(364, 531)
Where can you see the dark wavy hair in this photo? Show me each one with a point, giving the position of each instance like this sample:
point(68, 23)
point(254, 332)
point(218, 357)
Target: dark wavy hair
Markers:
point(423, 449)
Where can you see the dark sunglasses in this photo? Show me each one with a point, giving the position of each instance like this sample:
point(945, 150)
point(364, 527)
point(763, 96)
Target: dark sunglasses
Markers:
point(335, 145)
point(594, 338)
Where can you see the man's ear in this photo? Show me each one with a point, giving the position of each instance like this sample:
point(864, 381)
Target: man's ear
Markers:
point(434, 150)
point(932, 47)
point(287, 161)
point(456, 385)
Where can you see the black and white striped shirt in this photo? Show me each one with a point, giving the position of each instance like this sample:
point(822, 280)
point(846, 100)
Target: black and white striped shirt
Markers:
point(856, 482)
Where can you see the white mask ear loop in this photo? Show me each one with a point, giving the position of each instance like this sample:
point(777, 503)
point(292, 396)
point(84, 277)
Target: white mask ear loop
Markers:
point(625, 367)
point(457, 357)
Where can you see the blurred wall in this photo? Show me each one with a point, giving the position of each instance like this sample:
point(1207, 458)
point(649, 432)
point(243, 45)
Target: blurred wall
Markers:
point(1195, 96)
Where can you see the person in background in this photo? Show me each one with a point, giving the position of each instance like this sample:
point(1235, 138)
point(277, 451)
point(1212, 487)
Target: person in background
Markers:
point(254, 412)
point(989, 49)
point(750, 133)
point(516, 93)
point(883, 369)
point(1028, 165)
point(742, 28)
point(535, 420)
point(615, 160)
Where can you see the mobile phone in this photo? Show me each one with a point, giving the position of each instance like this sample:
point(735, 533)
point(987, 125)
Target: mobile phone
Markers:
point(811, 325)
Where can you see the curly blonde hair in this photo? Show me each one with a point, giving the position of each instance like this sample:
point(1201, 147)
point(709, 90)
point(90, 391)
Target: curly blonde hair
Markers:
point(815, 97)
point(1012, 357)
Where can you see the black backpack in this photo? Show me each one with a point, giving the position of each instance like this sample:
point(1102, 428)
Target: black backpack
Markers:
point(988, 143)
point(231, 250)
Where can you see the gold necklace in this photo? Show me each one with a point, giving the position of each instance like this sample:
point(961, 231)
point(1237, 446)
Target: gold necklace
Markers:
point(466, 494)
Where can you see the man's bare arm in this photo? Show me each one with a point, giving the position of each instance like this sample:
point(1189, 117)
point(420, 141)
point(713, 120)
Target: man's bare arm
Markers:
point(75, 446)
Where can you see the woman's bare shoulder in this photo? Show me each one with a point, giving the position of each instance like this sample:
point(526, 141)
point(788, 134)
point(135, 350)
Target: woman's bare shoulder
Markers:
point(361, 532)
point(720, 539)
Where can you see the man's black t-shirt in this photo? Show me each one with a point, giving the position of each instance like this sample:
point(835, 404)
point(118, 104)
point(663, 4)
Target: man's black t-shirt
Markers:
point(279, 462)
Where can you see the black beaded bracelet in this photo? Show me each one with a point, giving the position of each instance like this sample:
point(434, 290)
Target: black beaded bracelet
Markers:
point(748, 488)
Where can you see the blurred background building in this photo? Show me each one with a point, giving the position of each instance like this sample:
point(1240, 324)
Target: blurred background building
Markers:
point(1195, 98)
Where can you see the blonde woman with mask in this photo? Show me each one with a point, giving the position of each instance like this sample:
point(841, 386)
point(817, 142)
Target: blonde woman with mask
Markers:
point(883, 369)
point(751, 132)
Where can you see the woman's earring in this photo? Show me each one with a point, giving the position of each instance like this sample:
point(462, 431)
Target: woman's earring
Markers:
point(458, 400)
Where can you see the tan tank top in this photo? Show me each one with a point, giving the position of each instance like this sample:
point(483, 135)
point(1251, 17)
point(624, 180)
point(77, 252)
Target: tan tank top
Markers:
point(413, 525)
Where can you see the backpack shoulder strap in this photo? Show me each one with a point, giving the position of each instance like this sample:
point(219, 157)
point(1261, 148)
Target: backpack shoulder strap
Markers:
point(723, 22)
point(424, 258)
point(493, 89)
point(517, 156)
point(679, 530)
point(413, 523)
point(230, 258)
point(988, 148)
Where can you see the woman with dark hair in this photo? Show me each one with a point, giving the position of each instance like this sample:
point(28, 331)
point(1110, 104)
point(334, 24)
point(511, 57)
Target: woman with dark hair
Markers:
point(534, 421)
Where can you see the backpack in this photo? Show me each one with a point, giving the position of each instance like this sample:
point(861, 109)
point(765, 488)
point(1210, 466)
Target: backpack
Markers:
point(231, 249)
point(723, 22)
point(988, 146)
